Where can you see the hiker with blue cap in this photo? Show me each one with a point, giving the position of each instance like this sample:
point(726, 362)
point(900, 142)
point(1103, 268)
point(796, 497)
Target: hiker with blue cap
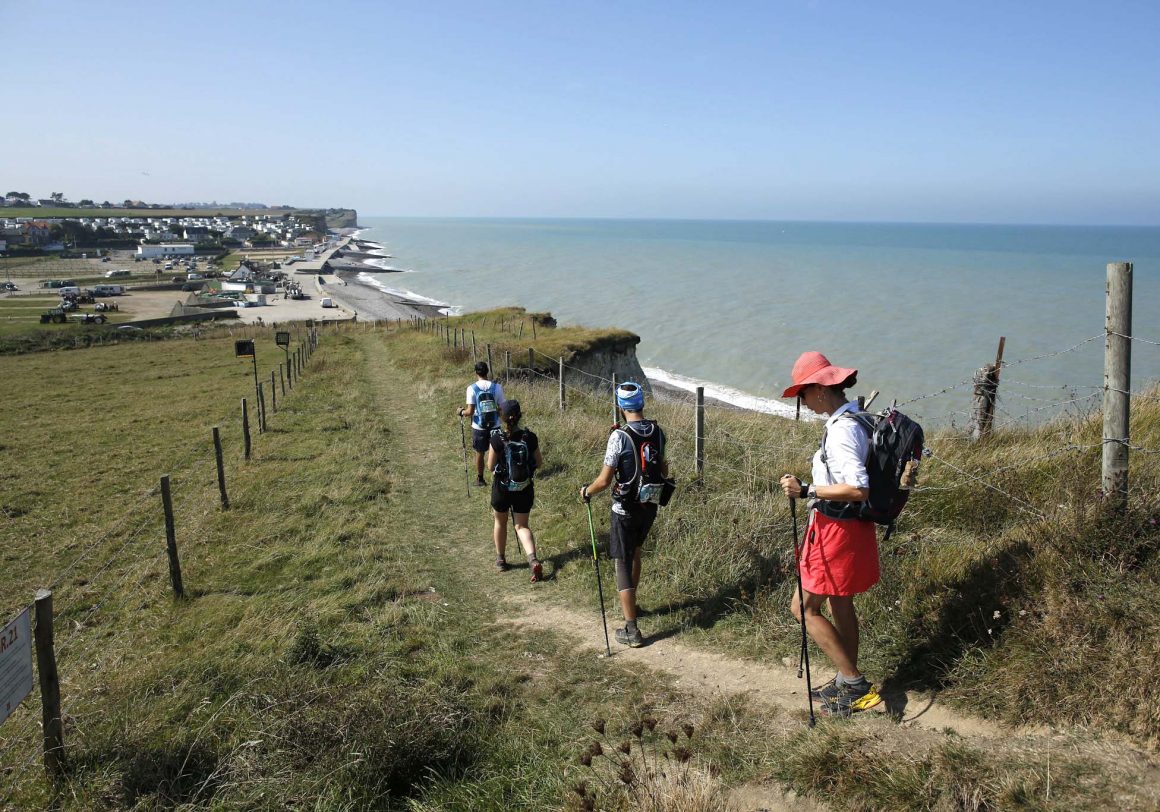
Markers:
point(636, 469)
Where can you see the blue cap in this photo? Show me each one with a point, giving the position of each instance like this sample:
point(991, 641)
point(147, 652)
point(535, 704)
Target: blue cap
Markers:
point(630, 397)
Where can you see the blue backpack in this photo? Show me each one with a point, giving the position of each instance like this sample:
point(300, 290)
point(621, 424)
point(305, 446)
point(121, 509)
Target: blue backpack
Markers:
point(486, 409)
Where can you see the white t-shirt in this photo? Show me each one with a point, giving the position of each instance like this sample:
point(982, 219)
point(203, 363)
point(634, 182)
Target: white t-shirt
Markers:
point(847, 444)
point(484, 386)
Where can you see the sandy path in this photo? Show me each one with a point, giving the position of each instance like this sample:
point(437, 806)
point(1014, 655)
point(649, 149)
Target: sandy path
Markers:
point(706, 672)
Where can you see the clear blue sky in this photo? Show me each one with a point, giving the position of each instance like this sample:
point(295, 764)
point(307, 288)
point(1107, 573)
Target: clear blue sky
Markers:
point(1041, 112)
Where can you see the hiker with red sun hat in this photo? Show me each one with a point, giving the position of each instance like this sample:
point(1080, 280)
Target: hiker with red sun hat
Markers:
point(838, 558)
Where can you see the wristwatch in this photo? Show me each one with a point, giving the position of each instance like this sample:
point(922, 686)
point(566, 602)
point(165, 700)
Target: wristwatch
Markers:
point(810, 492)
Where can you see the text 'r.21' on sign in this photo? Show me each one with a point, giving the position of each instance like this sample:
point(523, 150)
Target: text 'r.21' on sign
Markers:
point(15, 664)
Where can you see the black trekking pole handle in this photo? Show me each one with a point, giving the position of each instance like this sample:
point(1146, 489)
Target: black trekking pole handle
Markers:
point(599, 584)
point(805, 654)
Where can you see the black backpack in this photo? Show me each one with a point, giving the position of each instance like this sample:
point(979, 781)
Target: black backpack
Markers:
point(646, 484)
point(486, 407)
point(518, 463)
point(896, 444)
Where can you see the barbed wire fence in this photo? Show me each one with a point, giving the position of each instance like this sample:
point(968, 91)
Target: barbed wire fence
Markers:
point(1060, 416)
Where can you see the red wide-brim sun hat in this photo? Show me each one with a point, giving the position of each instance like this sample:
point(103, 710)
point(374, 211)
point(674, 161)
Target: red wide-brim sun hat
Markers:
point(813, 367)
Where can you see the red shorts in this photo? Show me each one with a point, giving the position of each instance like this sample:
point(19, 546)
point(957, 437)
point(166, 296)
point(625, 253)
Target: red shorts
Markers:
point(839, 556)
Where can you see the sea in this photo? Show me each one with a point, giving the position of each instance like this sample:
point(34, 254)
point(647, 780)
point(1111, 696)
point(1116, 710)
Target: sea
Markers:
point(916, 308)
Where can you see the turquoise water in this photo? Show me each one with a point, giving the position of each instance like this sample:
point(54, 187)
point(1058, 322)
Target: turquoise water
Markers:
point(915, 308)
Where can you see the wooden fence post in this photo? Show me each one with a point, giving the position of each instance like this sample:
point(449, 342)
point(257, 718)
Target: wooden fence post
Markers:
point(246, 428)
point(50, 716)
point(490, 365)
point(508, 363)
point(561, 383)
point(699, 450)
point(261, 408)
point(282, 380)
point(221, 468)
point(474, 353)
point(171, 539)
point(1117, 384)
point(533, 328)
point(273, 392)
point(614, 415)
point(986, 395)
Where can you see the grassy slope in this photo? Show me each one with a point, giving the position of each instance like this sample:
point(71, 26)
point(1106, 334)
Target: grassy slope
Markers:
point(314, 664)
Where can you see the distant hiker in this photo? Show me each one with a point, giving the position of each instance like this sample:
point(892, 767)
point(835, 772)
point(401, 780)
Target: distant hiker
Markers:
point(634, 465)
point(484, 400)
point(839, 555)
point(513, 457)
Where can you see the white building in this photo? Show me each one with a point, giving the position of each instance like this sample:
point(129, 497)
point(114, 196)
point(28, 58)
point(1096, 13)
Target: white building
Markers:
point(165, 249)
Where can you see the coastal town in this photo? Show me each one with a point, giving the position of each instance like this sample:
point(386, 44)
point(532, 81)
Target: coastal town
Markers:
point(167, 266)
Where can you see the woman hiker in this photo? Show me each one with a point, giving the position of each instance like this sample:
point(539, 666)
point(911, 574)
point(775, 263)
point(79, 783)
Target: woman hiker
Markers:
point(839, 555)
point(632, 518)
point(513, 456)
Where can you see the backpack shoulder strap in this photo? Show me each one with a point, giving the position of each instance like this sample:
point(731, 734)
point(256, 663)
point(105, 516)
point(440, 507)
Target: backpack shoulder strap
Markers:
point(861, 418)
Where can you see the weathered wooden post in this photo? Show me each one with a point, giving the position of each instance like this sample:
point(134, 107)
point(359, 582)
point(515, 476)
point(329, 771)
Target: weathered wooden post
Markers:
point(614, 404)
point(273, 392)
point(221, 468)
point(1117, 384)
point(699, 451)
point(533, 328)
point(50, 716)
point(474, 352)
point(282, 380)
point(490, 365)
point(986, 395)
point(508, 363)
point(561, 368)
point(261, 409)
point(245, 428)
point(171, 539)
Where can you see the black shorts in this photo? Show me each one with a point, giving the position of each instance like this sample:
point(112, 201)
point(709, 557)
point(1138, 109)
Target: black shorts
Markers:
point(480, 439)
point(519, 501)
point(629, 532)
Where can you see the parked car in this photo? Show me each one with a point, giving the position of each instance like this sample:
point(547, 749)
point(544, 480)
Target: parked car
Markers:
point(328, 302)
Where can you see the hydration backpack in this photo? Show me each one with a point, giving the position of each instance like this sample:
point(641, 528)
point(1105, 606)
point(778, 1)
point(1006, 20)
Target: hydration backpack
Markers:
point(518, 464)
point(892, 462)
point(644, 483)
point(486, 409)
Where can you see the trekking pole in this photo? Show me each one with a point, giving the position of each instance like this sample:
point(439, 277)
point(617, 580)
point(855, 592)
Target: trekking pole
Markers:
point(805, 654)
point(463, 442)
point(599, 585)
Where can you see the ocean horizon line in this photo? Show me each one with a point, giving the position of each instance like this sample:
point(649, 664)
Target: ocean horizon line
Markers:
point(751, 220)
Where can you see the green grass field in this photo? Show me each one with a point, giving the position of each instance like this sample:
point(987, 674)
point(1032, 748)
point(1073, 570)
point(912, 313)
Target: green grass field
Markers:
point(345, 643)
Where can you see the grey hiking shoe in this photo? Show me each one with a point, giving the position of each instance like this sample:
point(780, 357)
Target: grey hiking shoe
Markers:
point(501, 565)
point(851, 699)
point(479, 483)
point(828, 691)
point(629, 637)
